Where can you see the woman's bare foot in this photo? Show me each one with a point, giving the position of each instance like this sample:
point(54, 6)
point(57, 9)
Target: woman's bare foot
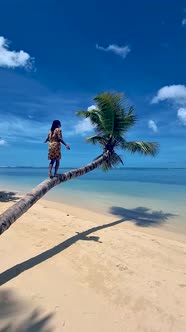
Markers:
point(50, 174)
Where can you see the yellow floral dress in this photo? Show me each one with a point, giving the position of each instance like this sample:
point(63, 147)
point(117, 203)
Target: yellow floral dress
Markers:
point(54, 150)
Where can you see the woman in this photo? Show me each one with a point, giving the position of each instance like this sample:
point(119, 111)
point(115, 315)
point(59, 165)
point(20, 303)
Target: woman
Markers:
point(54, 152)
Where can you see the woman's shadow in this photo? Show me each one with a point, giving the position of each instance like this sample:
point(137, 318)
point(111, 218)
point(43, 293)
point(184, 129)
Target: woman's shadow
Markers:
point(141, 216)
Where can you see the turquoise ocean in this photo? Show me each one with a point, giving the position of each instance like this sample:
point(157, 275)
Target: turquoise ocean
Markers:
point(147, 196)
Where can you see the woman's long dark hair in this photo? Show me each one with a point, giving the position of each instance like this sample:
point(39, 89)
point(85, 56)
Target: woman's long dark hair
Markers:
point(55, 125)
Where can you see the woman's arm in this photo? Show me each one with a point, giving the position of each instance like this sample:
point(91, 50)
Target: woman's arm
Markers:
point(47, 139)
point(66, 145)
point(62, 141)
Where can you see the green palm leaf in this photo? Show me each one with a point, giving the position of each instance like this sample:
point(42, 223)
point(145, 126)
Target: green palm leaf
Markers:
point(113, 114)
point(97, 139)
point(113, 160)
point(146, 148)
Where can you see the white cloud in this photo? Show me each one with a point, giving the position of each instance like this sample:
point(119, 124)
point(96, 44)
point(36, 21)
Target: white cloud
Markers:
point(84, 126)
point(181, 113)
point(15, 128)
point(152, 125)
point(92, 107)
point(118, 50)
point(12, 59)
point(175, 93)
point(183, 22)
point(2, 142)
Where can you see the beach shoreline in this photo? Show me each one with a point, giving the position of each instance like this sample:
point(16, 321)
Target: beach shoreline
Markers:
point(153, 221)
point(153, 200)
point(90, 271)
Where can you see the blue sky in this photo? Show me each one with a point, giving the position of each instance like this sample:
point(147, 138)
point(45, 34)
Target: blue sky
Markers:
point(55, 56)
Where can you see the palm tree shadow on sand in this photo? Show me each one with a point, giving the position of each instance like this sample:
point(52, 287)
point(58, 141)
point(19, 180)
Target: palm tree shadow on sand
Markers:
point(11, 306)
point(142, 216)
point(8, 196)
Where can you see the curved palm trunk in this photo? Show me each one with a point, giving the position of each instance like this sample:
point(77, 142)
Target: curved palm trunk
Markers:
point(25, 203)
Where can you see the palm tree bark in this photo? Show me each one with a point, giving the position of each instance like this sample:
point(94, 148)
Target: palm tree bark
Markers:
point(25, 203)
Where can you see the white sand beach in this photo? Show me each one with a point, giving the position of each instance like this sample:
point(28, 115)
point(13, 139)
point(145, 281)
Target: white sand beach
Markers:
point(68, 269)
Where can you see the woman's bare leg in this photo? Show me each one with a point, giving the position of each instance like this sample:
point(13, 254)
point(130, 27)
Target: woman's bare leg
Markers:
point(56, 167)
point(50, 167)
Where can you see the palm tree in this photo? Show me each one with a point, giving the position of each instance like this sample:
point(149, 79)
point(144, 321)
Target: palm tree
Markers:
point(111, 120)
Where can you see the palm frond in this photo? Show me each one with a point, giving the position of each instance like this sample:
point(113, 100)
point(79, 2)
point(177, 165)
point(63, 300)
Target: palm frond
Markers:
point(118, 142)
point(112, 112)
point(145, 148)
point(82, 113)
point(108, 97)
point(113, 160)
point(110, 116)
point(97, 139)
point(130, 119)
